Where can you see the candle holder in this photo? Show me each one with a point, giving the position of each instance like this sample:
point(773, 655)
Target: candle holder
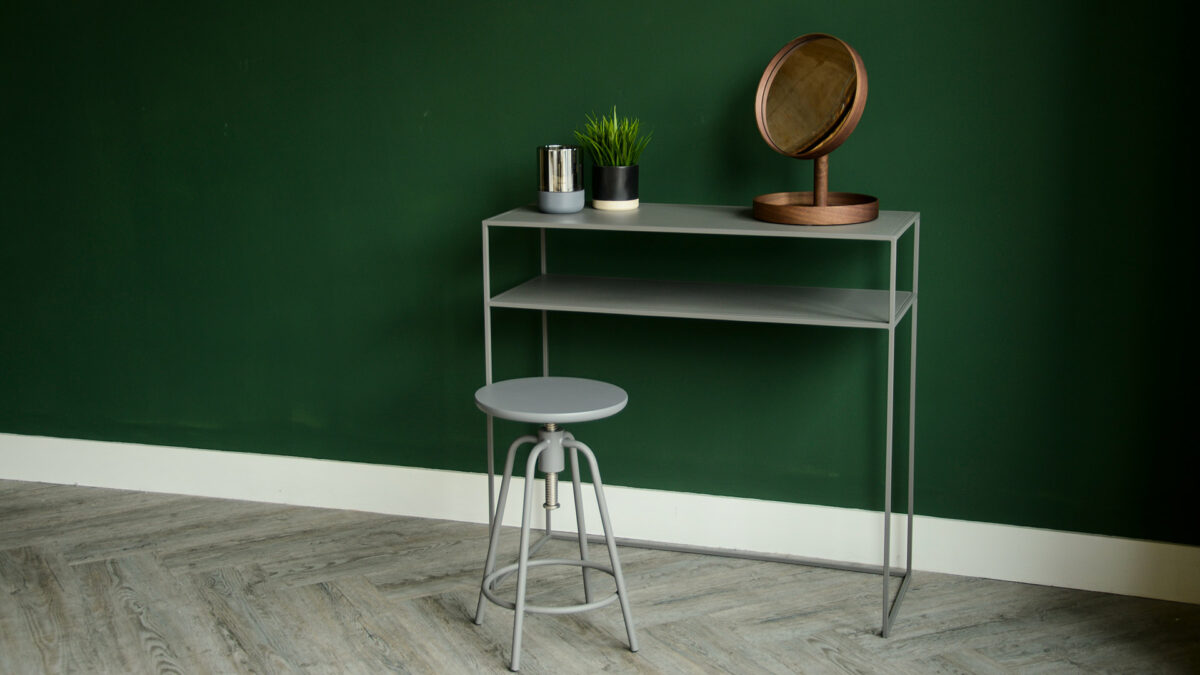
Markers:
point(560, 181)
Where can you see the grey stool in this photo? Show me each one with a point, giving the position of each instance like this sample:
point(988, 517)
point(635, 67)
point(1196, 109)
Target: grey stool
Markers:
point(551, 401)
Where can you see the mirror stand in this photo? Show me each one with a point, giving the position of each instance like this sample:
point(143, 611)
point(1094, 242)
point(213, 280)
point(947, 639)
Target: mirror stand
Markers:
point(809, 100)
point(818, 207)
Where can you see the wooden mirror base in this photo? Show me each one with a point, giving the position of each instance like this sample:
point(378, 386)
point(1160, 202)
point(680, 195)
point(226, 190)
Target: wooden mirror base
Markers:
point(797, 208)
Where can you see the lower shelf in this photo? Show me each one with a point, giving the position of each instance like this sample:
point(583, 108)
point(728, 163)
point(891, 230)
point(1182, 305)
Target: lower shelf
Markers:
point(850, 307)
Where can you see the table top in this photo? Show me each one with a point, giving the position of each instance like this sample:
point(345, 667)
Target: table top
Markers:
point(702, 219)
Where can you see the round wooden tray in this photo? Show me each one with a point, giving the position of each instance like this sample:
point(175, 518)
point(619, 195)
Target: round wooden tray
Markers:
point(797, 208)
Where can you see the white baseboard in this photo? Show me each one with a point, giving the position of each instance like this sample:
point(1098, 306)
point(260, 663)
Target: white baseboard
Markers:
point(1048, 557)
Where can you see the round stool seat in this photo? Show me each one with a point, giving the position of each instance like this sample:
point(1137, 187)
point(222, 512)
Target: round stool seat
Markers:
point(546, 400)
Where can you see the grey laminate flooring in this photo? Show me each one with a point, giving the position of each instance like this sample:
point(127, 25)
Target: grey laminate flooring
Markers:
point(107, 581)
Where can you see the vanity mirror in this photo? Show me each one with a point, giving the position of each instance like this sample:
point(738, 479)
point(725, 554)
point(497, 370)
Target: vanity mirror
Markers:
point(809, 100)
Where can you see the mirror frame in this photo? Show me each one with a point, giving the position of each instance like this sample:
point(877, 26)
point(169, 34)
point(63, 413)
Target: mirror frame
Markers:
point(832, 138)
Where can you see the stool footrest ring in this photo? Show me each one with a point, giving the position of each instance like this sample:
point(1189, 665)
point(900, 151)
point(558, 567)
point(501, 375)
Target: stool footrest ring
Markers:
point(490, 581)
point(511, 569)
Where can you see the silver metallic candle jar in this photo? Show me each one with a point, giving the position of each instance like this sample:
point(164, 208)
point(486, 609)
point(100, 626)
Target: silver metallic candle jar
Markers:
point(560, 180)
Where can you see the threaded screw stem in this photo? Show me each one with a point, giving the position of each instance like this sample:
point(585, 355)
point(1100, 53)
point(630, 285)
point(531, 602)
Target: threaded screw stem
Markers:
point(551, 492)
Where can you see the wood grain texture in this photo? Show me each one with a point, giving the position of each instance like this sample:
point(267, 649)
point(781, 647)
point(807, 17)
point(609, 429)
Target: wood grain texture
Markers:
point(804, 208)
point(104, 581)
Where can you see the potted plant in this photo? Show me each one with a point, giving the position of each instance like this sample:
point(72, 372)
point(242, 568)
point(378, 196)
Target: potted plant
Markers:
point(616, 145)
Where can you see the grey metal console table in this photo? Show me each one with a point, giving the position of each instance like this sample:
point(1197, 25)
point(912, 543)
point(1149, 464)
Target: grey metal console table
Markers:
point(880, 309)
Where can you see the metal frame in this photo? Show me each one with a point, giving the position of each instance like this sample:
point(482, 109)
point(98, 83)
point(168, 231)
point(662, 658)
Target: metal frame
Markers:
point(730, 221)
point(545, 440)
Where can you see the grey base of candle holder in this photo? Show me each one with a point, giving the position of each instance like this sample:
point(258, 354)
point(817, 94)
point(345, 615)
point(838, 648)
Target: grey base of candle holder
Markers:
point(560, 202)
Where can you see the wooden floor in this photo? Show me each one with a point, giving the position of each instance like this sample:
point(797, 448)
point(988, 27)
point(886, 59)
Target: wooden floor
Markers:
point(105, 581)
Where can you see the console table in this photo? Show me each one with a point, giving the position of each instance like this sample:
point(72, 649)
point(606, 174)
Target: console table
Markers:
point(880, 309)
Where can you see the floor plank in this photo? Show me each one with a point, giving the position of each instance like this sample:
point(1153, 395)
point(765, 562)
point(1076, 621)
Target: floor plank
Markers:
point(107, 581)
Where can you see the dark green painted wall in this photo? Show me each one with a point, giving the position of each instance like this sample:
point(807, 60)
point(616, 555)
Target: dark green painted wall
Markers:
point(255, 227)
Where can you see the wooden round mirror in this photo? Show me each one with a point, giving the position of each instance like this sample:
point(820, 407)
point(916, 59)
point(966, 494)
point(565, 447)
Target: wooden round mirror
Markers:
point(809, 100)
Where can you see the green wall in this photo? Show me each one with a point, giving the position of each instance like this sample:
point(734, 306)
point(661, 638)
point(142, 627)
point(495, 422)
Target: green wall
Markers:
point(255, 227)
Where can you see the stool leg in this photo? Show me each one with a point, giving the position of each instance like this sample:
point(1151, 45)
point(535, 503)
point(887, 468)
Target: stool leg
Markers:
point(580, 527)
point(490, 564)
point(622, 594)
point(523, 560)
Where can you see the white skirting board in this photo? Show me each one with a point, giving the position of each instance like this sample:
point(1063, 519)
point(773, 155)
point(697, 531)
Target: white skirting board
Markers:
point(1048, 557)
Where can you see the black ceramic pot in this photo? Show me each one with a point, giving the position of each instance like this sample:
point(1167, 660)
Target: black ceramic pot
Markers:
point(615, 188)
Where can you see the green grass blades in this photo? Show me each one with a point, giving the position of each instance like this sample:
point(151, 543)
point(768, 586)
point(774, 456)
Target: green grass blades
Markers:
point(613, 141)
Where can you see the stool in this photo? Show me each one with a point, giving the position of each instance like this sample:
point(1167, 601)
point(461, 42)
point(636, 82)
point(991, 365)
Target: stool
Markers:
point(551, 401)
